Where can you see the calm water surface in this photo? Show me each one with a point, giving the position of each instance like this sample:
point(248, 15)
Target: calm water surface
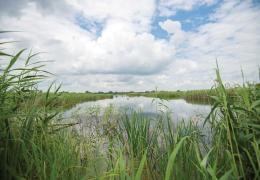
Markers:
point(179, 109)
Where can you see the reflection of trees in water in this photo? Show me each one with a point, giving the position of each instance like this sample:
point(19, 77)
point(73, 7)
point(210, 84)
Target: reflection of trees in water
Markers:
point(198, 100)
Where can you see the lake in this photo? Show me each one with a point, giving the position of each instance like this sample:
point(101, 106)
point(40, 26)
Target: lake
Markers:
point(91, 116)
point(178, 109)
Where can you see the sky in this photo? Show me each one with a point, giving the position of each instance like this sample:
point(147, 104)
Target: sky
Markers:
point(137, 45)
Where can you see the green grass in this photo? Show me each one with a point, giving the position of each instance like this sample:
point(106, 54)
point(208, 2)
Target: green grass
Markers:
point(67, 100)
point(193, 96)
point(35, 145)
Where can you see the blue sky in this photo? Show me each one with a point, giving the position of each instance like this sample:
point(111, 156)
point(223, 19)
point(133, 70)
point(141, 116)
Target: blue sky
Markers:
point(125, 45)
point(191, 20)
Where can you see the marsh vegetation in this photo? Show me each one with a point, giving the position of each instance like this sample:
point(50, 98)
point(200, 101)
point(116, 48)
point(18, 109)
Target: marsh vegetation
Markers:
point(35, 143)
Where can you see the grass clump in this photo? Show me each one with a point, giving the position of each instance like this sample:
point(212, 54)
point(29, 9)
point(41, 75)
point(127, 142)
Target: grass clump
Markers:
point(30, 147)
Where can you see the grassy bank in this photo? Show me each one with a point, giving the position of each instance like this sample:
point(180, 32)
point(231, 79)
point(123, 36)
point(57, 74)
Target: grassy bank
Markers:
point(67, 100)
point(34, 145)
point(194, 96)
point(202, 96)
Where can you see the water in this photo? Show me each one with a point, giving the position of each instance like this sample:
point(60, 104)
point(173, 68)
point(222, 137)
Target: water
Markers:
point(91, 117)
point(179, 109)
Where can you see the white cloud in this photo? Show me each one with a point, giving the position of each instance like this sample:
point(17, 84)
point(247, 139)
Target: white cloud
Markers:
point(232, 38)
point(170, 7)
point(124, 46)
point(174, 29)
point(125, 55)
point(136, 12)
point(121, 48)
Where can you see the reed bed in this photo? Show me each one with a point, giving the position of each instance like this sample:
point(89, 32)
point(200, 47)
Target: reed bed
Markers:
point(66, 100)
point(202, 96)
point(35, 145)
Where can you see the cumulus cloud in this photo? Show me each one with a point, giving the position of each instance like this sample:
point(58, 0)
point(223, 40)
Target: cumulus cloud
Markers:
point(136, 12)
point(121, 47)
point(174, 29)
point(108, 45)
point(231, 37)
